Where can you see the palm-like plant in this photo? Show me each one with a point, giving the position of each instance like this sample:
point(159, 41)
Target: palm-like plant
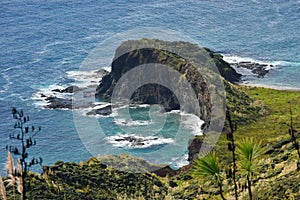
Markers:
point(208, 167)
point(249, 152)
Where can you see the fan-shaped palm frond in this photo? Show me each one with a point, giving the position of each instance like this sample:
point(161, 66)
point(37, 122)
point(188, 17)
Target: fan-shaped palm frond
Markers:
point(208, 167)
point(248, 153)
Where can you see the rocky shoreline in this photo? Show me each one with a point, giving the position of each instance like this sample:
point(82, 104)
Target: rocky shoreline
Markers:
point(255, 68)
point(152, 94)
point(104, 89)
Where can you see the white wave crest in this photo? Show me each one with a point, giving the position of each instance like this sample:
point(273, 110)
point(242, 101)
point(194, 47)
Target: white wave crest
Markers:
point(192, 122)
point(126, 122)
point(135, 141)
point(181, 161)
point(86, 79)
point(233, 59)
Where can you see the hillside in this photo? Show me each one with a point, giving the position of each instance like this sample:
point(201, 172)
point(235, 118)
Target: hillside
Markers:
point(277, 179)
point(259, 113)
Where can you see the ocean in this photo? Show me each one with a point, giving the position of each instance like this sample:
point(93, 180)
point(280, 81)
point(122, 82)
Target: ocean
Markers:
point(44, 43)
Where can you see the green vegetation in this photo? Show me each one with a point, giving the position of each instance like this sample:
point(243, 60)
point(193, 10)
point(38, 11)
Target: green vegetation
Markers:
point(25, 136)
point(89, 180)
point(266, 121)
point(93, 180)
point(208, 167)
point(260, 113)
point(128, 163)
point(248, 152)
point(278, 177)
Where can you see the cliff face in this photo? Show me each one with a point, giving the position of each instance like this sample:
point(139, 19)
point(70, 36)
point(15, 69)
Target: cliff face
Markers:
point(203, 81)
point(128, 57)
point(154, 93)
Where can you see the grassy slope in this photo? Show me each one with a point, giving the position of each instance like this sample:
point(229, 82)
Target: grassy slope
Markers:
point(282, 181)
point(258, 112)
point(277, 178)
point(271, 128)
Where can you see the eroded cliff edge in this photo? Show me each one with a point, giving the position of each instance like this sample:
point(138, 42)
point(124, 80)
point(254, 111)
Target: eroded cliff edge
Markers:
point(133, 53)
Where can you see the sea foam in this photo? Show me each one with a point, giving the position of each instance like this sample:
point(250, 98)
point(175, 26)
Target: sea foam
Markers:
point(137, 141)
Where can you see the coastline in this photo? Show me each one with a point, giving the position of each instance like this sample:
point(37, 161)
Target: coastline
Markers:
point(253, 70)
point(258, 85)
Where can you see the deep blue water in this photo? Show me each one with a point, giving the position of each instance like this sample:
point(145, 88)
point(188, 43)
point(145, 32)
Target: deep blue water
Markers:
point(40, 41)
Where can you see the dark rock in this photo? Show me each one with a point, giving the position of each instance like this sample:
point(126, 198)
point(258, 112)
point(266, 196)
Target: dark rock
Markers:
point(70, 89)
point(135, 141)
point(106, 110)
point(285, 157)
point(157, 94)
point(187, 177)
point(225, 68)
point(154, 93)
point(260, 70)
point(102, 166)
point(56, 90)
point(101, 72)
point(64, 103)
point(281, 143)
point(165, 171)
point(270, 151)
point(58, 103)
point(194, 148)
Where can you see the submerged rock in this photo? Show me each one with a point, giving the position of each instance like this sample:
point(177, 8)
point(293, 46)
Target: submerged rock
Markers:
point(70, 89)
point(194, 148)
point(106, 110)
point(58, 103)
point(258, 69)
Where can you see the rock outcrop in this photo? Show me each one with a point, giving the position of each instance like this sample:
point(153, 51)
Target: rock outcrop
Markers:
point(70, 89)
point(155, 93)
point(129, 55)
point(127, 59)
point(194, 148)
point(258, 69)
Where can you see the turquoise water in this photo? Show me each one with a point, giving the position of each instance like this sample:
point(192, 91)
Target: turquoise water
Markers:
point(41, 41)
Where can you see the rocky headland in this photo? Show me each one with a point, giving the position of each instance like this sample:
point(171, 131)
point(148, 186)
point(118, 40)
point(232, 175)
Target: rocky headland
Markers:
point(128, 56)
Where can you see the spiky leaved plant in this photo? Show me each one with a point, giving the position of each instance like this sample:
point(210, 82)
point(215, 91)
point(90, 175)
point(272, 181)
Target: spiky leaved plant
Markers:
point(249, 152)
point(208, 167)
